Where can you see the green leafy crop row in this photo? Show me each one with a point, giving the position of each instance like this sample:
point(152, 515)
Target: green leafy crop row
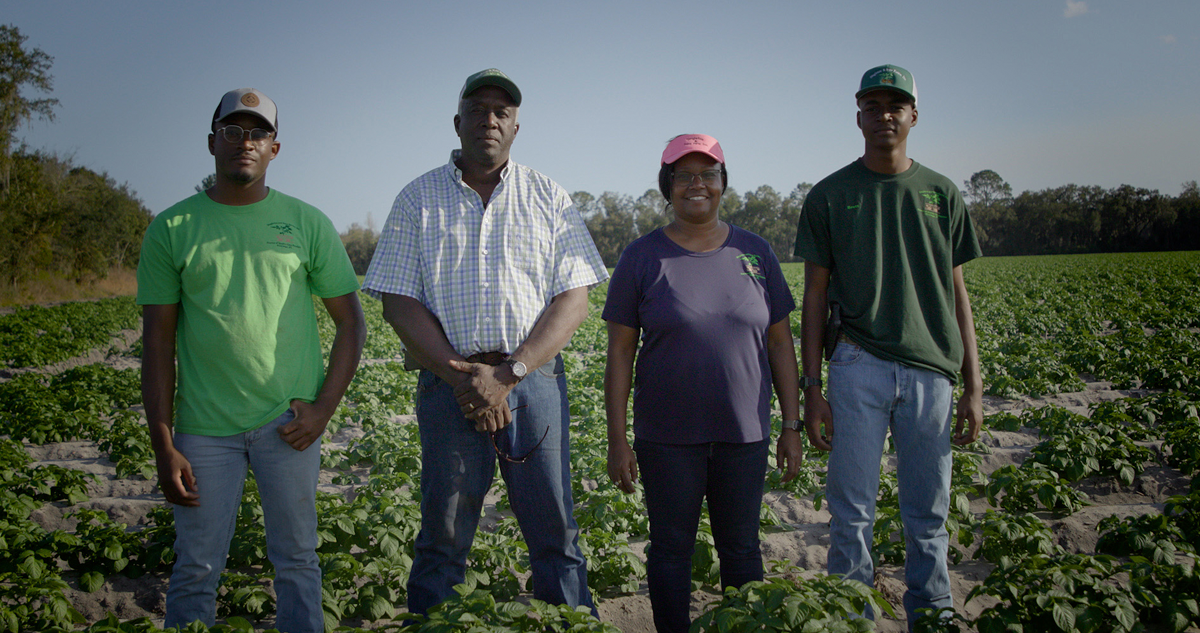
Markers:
point(36, 336)
point(1130, 324)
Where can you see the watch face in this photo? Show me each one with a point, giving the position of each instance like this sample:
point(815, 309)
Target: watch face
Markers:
point(518, 369)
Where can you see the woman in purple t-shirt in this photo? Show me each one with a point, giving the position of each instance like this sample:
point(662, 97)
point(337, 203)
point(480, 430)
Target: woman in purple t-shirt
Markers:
point(710, 305)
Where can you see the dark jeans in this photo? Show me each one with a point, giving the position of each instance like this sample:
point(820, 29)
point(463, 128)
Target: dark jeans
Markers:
point(457, 465)
point(677, 478)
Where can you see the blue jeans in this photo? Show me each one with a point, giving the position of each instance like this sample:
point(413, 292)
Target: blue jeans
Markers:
point(287, 483)
point(676, 479)
point(868, 396)
point(457, 466)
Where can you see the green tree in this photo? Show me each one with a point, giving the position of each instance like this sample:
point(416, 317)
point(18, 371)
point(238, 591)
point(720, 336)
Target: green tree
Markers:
point(1185, 234)
point(20, 69)
point(649, 212)
point(610, 221)
point(360, 242)
point(102, 225)
point(67, 220)
point(771, 216)
point(1052, 221)
point(1134, 219)
point(29, 219)
point(584, 202)
point(791, 219)
point(206, 183)
point(985, 188)
point(731, 205)
point(990, 200)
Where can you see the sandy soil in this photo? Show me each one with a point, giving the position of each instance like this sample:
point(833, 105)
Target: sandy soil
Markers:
point(805, 543)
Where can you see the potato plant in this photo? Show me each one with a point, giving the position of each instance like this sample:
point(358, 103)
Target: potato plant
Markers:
point(36, 336)
point(1130, 320)
point(792, 603)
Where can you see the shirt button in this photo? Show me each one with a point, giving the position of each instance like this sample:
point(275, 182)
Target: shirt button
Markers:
point(485, 284)
point(484, 251)
point(487, 319)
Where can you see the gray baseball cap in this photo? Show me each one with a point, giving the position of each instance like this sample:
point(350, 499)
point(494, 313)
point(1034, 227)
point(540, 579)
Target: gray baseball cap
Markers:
point(250, 101)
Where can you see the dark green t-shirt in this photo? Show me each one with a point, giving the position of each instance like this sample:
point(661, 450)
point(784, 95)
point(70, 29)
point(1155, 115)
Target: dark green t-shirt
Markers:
point(891, 243)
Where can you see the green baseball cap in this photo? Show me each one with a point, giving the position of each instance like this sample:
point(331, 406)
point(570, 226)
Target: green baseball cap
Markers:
point(491, 77)
point(888, 77)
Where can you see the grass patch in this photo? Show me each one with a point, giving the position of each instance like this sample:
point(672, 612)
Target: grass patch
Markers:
point(53, 288)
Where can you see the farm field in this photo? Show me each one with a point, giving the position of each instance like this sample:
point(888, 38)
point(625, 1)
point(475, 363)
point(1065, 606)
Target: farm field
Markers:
point(1075, 512)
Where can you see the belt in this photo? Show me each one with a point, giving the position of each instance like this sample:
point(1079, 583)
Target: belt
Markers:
point(488, 358)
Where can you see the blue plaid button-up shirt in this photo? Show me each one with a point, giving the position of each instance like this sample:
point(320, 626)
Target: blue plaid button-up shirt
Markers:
point(485, 273)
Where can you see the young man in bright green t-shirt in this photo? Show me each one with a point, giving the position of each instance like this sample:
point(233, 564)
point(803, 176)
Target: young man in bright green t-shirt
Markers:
point(885, 239)
point(226, 277)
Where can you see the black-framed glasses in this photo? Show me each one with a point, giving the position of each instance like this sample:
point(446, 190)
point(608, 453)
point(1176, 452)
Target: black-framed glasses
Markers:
point(235, 134)
point(708, 177)
point(513, 459)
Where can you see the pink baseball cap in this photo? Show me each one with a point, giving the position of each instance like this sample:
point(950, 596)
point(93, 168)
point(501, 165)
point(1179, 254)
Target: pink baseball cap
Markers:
point(685, 144)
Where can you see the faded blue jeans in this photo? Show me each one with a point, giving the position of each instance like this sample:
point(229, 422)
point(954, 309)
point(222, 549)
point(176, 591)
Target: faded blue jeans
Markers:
point(676, 479)
point(457, 467)
point(287, 483)
point(870, 396)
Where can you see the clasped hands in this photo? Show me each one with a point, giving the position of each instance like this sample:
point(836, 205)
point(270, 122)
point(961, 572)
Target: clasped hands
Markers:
point(482, 394)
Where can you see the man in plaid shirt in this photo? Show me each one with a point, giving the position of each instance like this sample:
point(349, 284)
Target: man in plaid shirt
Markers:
point(484, 267)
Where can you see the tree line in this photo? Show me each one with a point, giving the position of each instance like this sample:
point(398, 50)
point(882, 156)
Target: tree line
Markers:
point(1060, 220)
point(616, 219)
point(1081, 219)
point(54, 216)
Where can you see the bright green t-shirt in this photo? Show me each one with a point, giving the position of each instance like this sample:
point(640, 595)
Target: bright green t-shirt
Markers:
point(244, 277)
point(891, 243)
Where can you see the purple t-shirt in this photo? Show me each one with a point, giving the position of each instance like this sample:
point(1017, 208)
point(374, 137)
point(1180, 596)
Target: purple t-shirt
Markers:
point(702, 373)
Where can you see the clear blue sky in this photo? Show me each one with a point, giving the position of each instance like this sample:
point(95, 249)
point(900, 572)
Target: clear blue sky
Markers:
point(1046, 93)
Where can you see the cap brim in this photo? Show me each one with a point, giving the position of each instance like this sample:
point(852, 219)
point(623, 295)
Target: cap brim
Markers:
point(507, 86)
point(860, 93)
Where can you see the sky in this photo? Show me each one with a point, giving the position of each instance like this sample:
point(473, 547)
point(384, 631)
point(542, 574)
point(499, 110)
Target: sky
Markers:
point(1044, 92)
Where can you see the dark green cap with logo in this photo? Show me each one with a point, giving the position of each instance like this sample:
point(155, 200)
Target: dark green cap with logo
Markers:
point(491, 77)
point(888, 77)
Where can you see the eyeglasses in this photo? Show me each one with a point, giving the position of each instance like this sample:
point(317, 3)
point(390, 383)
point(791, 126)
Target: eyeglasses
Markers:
point(235, 133)
point(517, 460)
point(708, 177)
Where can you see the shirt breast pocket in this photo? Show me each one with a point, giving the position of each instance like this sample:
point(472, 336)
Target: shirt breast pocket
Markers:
point(528, 252)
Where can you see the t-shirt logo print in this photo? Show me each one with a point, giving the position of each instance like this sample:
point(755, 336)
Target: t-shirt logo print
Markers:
point(932, 206)
point(285, 237)
point(751, 266)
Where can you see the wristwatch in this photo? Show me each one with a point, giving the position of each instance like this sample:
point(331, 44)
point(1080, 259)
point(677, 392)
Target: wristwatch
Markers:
point(518, 368)
point(792, 424)
point(806, 382)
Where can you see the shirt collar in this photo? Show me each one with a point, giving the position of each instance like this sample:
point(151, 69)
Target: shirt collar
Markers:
point(456, 154)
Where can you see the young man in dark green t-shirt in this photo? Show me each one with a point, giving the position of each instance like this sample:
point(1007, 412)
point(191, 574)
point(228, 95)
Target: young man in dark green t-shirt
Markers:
point(885, 239)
